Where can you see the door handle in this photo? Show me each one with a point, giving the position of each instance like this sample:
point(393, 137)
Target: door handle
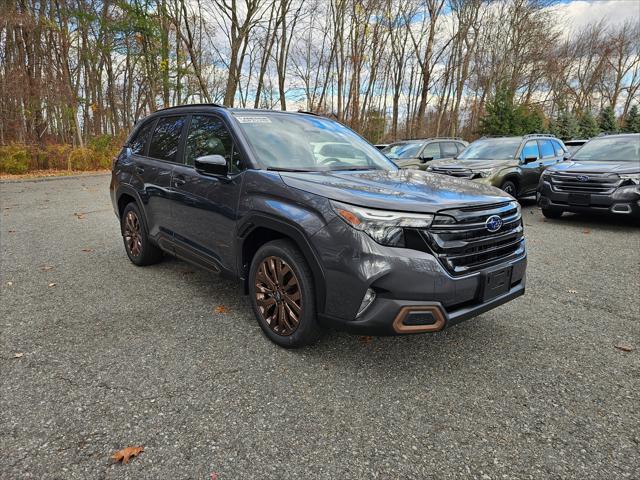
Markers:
point(140, 170)
point(179, 181)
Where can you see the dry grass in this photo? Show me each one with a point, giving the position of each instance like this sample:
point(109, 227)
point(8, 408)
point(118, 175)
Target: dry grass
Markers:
point(50, 173)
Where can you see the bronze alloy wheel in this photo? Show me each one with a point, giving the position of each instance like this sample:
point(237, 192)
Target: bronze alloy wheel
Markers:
point(132, 234)
point(278, 296)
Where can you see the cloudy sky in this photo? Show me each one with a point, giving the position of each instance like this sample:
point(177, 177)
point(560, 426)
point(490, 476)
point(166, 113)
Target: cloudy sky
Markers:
point(580, 12)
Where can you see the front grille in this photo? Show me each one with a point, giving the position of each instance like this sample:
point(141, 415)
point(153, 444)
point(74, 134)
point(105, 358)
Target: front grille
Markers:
point(453, 172)
point(598, 183)
point(459, 238)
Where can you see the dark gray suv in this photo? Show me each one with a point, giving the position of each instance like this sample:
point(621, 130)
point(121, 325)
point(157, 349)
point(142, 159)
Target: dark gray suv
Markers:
point(602, 177)
point(319, 227)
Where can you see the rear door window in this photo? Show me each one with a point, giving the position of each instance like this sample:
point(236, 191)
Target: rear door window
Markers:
point(166, 139)
point(546, 149)
point(530, 150)
point(448, 149)
point(558, 148)
point(432, 150)
point(139, 143)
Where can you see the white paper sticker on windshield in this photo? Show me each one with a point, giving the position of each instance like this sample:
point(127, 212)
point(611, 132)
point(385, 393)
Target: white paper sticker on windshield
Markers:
point(259, 119)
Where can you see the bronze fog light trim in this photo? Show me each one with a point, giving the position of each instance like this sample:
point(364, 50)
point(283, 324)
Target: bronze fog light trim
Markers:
point(400, 327)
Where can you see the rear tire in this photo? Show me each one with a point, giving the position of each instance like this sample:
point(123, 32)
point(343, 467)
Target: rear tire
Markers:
point(510, 188)
point(139, 248)
point(283, 295)
point(552, 213)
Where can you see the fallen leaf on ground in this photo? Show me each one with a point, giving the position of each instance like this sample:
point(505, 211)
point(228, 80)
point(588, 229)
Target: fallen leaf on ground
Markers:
point(572, 291)
point(46, 268)
point(52, 284)
point(214, 476)
point(18, 355)
point(12, 231)
point(366, 339)
point(221, 309)
point(126, 453)
point(586, 231)
point(186, 272)
point(9, 283)
point(80, 216)
point(88, 249)
point(624, 347)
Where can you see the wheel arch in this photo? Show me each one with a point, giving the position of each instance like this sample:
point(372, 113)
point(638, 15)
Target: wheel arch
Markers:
point(259, 229)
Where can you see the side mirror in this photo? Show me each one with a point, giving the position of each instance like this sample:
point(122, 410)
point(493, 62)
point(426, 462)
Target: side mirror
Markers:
point(426, 159)
point(566, 156)
point(211, 165)
point(530, 159)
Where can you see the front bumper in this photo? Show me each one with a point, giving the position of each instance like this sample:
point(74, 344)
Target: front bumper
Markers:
point(623, 201)
point(412, 288)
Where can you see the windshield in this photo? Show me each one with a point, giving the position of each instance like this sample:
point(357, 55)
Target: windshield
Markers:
point(614, 149)
point(308, 143)
point(491, 149)
point(402, 150)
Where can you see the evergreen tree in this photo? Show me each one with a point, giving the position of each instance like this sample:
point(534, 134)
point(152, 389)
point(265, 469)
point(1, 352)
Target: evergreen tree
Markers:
point(567, 126)
point(528, 120)
point(632, 120)
point(502, 117)
point(499, 113)
point(588, 125)
point(607, 120)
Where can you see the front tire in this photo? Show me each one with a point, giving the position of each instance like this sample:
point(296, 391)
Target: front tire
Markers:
point(282, 295)
point(139, 248)
point(552, 213)
point(510, 188)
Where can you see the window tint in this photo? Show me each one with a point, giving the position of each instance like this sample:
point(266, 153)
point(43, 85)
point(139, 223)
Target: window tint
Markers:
point(209, 136)
point(139, 143)
point(166, 139)
point(546, 149)
point(530, 150)
point(432, 150)
point(448, 149)
point(558, 148)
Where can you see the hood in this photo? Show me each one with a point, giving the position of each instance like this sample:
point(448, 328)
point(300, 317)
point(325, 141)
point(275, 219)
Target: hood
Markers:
point(576, 166)
point(401, 190)
point(455, 163)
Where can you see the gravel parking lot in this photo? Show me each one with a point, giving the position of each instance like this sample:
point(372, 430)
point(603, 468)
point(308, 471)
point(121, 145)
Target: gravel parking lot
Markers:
point(97, 354)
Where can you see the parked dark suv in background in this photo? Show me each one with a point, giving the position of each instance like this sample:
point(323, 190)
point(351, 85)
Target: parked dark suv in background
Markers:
point(602, 177)
point(319, 226)
point(419, 153)
point(513, 164)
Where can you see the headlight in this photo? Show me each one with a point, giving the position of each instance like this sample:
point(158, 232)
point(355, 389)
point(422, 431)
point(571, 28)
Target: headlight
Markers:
point(485, 173)
point(631, 177)
point(429, 169)
point(384, 226)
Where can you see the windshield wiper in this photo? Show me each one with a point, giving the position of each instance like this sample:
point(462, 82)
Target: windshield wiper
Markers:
point(284, 169)
point(351, 168)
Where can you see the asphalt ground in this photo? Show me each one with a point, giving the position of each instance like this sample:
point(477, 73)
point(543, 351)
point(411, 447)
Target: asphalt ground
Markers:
point(97, 354)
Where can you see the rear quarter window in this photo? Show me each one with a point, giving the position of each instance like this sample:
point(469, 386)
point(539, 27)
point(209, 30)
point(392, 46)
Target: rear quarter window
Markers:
point(139, 143)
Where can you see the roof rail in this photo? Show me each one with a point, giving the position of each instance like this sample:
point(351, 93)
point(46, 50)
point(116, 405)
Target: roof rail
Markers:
point(536, 135)
point(309, 113)
point(496, 136)
point(446, 138)
point(604, 134)
point(192, 105)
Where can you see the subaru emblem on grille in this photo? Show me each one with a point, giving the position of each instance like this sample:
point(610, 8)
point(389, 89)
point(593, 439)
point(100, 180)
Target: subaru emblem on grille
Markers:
point(493, 223)
point(582, 178)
